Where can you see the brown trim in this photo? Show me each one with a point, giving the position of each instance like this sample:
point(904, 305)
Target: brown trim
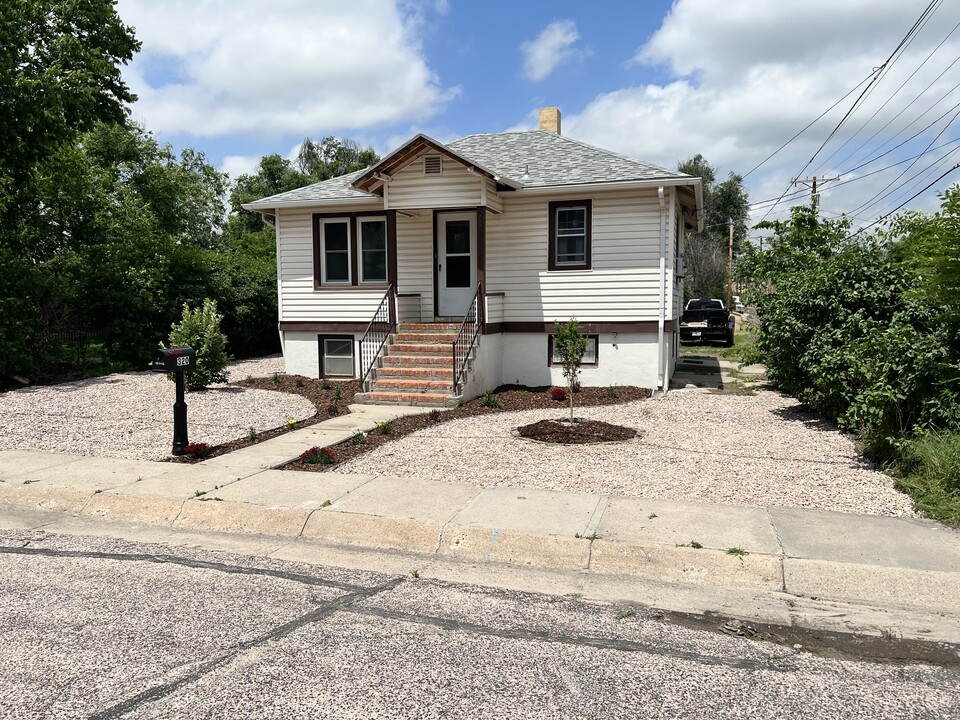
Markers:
point(482, 263)
point(352, 219)
point(392, 247)
point(353, 354)
point(495, 294)
point(587, 328)
point(323, 327)
point(401, 156)
point(552, 236)
point(436, 248)
point(351, 288)
point(595, 363)
point(406, 295)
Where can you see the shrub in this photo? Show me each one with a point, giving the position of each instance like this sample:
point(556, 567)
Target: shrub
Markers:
point(200, 329)
point(558, 394)
point(489, 400)
point(357, 439)
point(434, 416)
point(337, 394)
point(384, 428)
point(318, 456)
point(332, 409)
point(197, 450)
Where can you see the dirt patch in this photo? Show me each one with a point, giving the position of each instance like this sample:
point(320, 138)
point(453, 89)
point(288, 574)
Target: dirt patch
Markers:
point(506, 398)
point(579, 433)
point(330, 398)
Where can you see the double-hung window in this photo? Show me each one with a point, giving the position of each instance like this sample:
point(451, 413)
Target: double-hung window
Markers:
point(570, 235)
point(335, 251)
point(373, 250)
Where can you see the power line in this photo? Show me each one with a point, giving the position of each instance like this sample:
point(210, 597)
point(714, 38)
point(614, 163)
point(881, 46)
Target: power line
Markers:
point(910, 199)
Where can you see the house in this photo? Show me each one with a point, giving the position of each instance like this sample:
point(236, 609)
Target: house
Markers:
point(438, 273)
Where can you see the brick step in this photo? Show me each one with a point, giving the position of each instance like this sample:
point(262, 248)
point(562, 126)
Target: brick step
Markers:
point(421, 348)
point(424, 337)
point(429, 327)
point(394, 384)
point(426, 373)
point(406, 398)
point(408, 360)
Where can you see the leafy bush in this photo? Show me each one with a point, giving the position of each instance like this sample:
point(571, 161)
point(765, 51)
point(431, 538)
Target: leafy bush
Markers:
point(318, 456)
point(489, 400)
point(197, 450)
point(558, 394)
point(845, 331)
point(200, 329)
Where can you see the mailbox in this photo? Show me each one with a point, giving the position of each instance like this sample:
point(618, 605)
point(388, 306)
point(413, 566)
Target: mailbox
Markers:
point(174, 359)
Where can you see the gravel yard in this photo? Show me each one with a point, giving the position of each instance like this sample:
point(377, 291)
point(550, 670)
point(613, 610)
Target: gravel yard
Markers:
point(693, 445)
point(130, 415)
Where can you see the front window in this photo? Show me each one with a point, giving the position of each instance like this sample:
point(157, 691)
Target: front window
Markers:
point(336, 252)
point(373, 251)
point(570, 235)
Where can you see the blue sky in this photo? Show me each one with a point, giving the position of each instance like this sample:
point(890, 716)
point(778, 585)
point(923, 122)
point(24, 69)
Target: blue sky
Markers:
point(659, 81)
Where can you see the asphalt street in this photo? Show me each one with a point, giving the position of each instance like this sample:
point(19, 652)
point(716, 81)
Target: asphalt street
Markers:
point(105, 628)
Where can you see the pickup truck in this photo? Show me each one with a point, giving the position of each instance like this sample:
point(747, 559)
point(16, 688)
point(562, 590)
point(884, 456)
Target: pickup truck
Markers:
point(707, 319)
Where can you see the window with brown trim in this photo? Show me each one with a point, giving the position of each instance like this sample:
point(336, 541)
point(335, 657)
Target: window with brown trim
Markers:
point(353, 249)
point(570, 230)
point(337, 356)
point(591, 356)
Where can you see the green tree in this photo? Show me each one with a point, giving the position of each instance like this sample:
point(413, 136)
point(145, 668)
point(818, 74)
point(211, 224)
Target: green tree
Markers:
point(570, 345)
point(59, 75)
point(706, 253)
point(200, 329)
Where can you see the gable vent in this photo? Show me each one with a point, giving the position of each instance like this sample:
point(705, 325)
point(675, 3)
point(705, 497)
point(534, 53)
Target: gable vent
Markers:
point(432, 165)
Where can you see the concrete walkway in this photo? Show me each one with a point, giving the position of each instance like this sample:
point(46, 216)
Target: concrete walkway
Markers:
point(813, 554)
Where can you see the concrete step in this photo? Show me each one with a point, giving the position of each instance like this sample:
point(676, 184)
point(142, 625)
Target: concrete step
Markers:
point(424, 337)
point(421, 348)
point(395, 384)
point(428, 327)
point(407, 398)
point(433, 372)
point(418, 361)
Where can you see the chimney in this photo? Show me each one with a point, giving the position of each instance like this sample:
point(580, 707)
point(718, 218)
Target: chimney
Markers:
point(550, 119)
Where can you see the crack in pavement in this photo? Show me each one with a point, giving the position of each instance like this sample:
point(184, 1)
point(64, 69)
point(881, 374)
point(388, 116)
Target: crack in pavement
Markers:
point(600, 643)
point(318, 613)
point(184, 562)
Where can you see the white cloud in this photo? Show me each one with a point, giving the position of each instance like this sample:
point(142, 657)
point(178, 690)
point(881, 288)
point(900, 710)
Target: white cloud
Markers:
point(237, 165)
point(554, 45)
point(747, 78)
point(295, 67)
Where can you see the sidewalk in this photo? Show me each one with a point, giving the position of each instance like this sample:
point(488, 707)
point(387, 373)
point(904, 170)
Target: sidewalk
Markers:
point(887, 562)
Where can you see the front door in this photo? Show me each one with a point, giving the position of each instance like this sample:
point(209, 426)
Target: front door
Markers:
point(456, 263)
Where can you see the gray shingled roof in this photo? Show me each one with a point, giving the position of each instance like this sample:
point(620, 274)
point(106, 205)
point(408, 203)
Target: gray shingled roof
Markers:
point(533, 159)
point(550, 159)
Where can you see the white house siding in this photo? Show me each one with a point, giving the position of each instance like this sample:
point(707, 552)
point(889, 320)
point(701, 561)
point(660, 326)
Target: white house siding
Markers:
point(298, 299)
point(623, 283)
point(415, 259)
point(455, 187)
point(627, 359)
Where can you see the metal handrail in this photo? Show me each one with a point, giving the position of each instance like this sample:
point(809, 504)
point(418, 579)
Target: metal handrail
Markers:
point(472, 323)
point(382, 325)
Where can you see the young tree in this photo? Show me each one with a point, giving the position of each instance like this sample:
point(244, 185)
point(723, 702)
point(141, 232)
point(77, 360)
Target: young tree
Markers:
point(570, 346)
point(200, 330)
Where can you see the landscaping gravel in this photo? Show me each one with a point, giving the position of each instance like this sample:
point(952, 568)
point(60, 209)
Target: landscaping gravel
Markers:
point(693, 444)
point(130, 415)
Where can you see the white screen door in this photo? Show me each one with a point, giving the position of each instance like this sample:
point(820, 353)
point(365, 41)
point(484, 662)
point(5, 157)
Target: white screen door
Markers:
point(456, 263)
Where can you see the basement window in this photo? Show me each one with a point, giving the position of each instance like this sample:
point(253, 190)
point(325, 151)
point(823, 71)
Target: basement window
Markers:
point(336, 357)
point(590, 356)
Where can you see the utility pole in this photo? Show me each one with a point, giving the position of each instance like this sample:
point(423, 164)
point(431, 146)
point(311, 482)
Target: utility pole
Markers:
point(812, 182)
point(730, 269)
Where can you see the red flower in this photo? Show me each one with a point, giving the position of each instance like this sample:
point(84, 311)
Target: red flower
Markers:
point(318, 456)
point(558, 393)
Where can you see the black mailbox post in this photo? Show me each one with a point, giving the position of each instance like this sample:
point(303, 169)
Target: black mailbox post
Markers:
point(176, 360)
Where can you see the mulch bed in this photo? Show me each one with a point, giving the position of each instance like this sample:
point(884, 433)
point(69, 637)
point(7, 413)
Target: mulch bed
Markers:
point(581, 432)
point(321, 393)
point(510, 398)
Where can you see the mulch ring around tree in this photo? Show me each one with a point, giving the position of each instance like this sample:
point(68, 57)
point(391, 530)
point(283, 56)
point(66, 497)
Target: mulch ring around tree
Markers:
point(330, 398)
point(579, 433)
point(506, 398)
